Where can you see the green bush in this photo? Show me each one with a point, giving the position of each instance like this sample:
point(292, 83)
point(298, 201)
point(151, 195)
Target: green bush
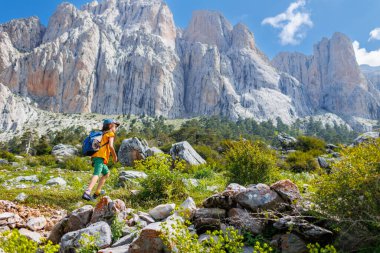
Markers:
point(76, 163)
point(164, 181)
point(46, 160)
point(316, 248)
point(14, 242)
point(308, 143)
point(301, 162)
point(203, 171)
point(7, 156)
point(249, 162)
point(207, 153)
point(351, 193)
point(177, 238)
point(117, 228)
point(88, 244)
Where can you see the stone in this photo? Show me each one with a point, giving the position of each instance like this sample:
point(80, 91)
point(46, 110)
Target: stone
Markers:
point(100, 229)
point(4, 229)
point(214, 213)
point(121, 249)
point(241, 219)
point(366, 137)
point(33, 179)
point(190, 182)
point(35, 224)
point(21, 197)
point(153, 151)
point(146, 217)
point(129, 230)
point(11, 220)
point(34, 236)
point(224, 200)
point(259, 196)
point(131, 176)
point(187, 208)
point(3, 162)
point(125, 240)
point(131, 150)
point(235, 187)
point(212, 188)
point(322, 162)
point(79, 218)
point(287, 190)
point(161, 212)
point(290, 243)
point(58, 231)
point(64, 151)
point(56, 181)
point(183, 150)
point(286, 141)
point(149, 240)
point(304, 228)
point(106, 209)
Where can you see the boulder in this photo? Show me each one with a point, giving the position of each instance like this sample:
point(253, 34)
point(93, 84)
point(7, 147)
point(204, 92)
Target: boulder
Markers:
point(322, 162)
point(64, 151)
point(125, 240)
point(106, 209)
point(11, 220)
point(58, 231)
point(33, 179)
point(183, 150)
point(224, 200)
point(187, 209)
point(149, 240)
point(366, 137)
point(287, 190)
point(202, 225)
point(131, 176)
point(259, 196)
point(146, 217)
point(79, 218)
point(161, 212)
point(153, 151)
point(290, 243)
point(121, 249)
point(235, 187)
point(21, 197)
point(34, 236)
point(129, 230)
point(214, 213)
point(286, 141)
point(56, 181)
point(101, 230)
point(131, 150)
point(303, 228)
point(241, 219)
point(35, 224)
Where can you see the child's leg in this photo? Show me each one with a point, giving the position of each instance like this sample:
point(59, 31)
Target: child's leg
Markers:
point(101, 183)
point(93, 181)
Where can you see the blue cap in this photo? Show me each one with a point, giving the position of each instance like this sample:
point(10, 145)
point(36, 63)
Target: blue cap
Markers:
point(110, 121)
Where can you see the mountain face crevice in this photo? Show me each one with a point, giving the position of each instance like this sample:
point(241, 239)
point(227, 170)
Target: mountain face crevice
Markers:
point(128, 57)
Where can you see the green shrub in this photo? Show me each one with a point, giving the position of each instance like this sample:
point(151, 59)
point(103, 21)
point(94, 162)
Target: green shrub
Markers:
point(46, 160)
point(14, 242)
point(351, 193)
point(76, 164)
point(316, 248)
point(117, 228)
point(177, 238)
point(249, 162)
point(164, 181)
point(7, 156)
point(203, 171)
point(207, 153)
point(301, 162)
point(308, 143)
point(88, 244)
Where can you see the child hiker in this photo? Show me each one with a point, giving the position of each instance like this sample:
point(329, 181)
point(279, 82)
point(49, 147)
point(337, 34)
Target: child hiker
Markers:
point(101, 158)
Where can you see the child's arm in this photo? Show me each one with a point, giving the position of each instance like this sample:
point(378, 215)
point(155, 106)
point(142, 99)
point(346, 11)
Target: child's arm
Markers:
point(113, 152)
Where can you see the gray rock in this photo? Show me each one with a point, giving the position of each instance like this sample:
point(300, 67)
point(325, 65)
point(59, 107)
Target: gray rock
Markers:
point(161, 212)
point(190, 182)
point(146, 217)
point(235, 187)
point(183, 150)
point(187, 209)
point(224, 200)
point(306, 229)
point(215, 213)
point(33, 179)
point(3, 162)
point(125, 240)
point(21, 197)
point(101, 230)
point(121, 249)
point(131, 150)
point(106, 209)
point(323, 163)
point(64, 151)
point(153, 151)
point(286, 141)
point(15, 164)
point(259, 196)
point(287, 190)
point(202, 225)
point(35, 224)
point(290, 243)
point(129, 230)
point(79, 219)
point(366, 137)
point(4, 229)
point(149, 240)
point(241, 219)
point(56, 181)
point(31, 235)
point(131, 176)
point(212, 188)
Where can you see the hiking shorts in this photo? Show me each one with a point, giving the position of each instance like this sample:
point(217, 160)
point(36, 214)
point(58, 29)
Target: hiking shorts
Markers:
point(99, 167)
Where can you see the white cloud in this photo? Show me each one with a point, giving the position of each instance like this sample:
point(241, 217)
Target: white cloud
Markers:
point(371, 58)
point(374, 34)
point(293, 23)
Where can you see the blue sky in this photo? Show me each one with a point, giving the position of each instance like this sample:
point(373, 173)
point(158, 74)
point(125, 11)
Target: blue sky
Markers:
point(274, 28)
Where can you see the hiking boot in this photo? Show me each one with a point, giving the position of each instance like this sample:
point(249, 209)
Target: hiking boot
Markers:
point(102, 192)
point(87, 197)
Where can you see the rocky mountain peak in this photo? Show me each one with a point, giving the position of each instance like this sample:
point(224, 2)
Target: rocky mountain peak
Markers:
point(25, 34)
point(209, 27)
point(242, 37)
